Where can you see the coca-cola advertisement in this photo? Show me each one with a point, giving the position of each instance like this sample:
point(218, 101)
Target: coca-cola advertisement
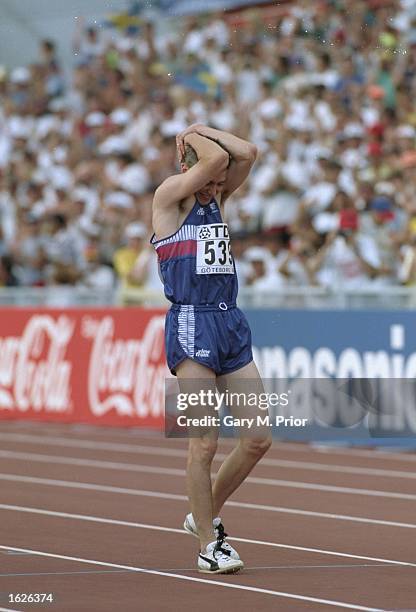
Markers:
point(101, 366)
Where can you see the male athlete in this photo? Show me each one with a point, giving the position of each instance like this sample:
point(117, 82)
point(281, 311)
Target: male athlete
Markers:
point(208, 339)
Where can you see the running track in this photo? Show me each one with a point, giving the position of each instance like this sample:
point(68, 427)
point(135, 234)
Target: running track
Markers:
point(94, 515)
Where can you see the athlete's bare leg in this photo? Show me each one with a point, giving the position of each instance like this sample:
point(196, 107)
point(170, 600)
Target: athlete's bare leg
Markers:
point(251, 446)
point(192, 377)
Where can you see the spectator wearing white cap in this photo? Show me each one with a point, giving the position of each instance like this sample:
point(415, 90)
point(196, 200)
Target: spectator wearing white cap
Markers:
point(58, 244)
point(280, 204)
point(20, 88)
point(95, 119)
point(319, 196)
point(125, 258)
point(126, 174)
point(120, 117)
point(116, 142)
point(96, 124)
point(88, 42)
point(262, 276)
point(298, 266)
point(7, 217)
point(29, 253)
point(348, 260)
point(97, 274)
point(119, 199)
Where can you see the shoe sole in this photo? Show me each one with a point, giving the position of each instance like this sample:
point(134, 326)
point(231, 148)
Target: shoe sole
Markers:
point(230, 570)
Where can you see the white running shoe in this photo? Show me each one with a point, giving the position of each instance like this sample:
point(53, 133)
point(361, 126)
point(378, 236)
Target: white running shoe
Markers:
point(214, 561)
point(190, 527)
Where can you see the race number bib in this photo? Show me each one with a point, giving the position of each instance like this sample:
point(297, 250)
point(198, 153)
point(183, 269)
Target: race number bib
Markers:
point(213, 255)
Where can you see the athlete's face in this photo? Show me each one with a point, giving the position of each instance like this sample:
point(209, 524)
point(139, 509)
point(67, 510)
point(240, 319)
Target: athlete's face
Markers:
point(211, 189)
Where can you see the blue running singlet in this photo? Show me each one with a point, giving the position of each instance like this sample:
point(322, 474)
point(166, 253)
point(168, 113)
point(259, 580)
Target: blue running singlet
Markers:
point(197, 268)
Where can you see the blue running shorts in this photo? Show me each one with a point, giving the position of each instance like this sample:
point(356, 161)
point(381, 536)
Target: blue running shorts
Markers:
point(217, 337)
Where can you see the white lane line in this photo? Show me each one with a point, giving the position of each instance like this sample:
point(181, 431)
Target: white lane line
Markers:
point(192, 569)
point(173, 496)
point(133, 434)
point(160, 451)
point(8, 610)
point(92, 571)
point(242, 587)
point(292, 567)
point(312, 486)
point(377, 453)
point(150, 469)
point(97, 519)
point(321, 467)
point(94, 463)
point(325, 515)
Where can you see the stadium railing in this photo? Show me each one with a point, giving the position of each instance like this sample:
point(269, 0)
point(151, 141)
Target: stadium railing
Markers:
point(388, 297)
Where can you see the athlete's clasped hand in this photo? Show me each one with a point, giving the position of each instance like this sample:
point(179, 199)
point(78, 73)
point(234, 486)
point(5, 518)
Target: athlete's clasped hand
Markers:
point(195, 128)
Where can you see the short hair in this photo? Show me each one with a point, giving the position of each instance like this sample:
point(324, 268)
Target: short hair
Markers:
point(190, 158)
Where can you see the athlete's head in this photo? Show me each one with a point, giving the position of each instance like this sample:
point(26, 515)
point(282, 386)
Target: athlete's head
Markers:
point(211, 189)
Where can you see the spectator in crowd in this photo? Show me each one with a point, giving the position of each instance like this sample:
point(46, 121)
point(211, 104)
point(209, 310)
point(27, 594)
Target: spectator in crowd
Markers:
point(125, 257)
point(7, 278)
point(29, 253)
point(98, 275)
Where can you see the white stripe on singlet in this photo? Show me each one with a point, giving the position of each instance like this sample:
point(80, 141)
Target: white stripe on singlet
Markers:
point(186, 232)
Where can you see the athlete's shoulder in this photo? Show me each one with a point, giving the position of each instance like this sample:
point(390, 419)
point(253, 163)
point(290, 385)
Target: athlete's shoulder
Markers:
point(174, 192)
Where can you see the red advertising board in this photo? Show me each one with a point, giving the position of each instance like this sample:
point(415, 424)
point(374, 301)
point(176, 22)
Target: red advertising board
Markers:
point(98, 366)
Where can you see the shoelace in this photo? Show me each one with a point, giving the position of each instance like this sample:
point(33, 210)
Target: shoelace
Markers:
point(220, 539)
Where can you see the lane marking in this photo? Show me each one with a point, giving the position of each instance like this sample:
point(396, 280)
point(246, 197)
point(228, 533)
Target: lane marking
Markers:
point(249, 506)
point(71, 573)
point(11, 552)
point(151, 436)
point(97, 519)
point(8, 610)
point(242, 587)
point(192, 569)
point(150, 469)
point(293, 567)
point(170, 452)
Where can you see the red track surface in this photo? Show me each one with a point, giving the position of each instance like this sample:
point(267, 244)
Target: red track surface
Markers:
point(95, 507)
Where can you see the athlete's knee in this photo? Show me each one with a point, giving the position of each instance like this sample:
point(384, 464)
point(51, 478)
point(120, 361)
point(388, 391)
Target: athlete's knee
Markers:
point(256, 447)
point(202, 450)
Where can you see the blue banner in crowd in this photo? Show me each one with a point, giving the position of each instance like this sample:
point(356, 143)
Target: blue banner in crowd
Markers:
point(298, 349)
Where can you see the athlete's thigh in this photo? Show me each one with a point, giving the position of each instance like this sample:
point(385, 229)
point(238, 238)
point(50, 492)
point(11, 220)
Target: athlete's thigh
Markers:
point(192, 370)
point(247, 400)
point(197, 385)
point(246, 378)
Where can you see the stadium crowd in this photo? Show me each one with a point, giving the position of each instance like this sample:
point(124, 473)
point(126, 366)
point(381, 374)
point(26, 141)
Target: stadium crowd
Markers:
point(324, 89)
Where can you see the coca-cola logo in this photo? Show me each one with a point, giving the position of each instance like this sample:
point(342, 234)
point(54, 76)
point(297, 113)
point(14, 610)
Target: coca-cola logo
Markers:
point(126, 375)
point(33, 372)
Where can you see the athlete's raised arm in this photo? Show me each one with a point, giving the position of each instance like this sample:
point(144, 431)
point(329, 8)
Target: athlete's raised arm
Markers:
point(212, 160)
point(243, 153)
